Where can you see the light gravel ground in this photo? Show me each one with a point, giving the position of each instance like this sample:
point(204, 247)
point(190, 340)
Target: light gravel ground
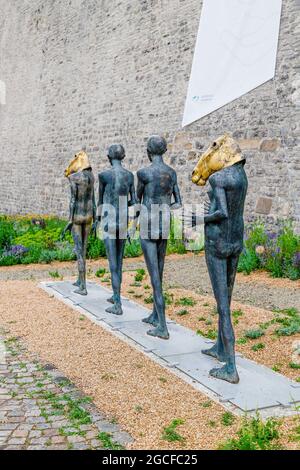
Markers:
point(125, 385)
point(185, 272)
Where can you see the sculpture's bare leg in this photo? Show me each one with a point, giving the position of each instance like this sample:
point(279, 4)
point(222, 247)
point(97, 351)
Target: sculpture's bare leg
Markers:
point(80, 235)
point(113, 252)
point(151, 250)
point(223, 351)
point(232, 265)
point(217, 351)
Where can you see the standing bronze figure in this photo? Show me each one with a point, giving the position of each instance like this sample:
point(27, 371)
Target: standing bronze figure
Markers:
point(116, 194)
point(157, 184)
point(223, 166)
point(82, 212)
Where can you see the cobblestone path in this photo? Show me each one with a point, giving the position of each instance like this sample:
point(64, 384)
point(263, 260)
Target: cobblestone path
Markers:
point(41, 410)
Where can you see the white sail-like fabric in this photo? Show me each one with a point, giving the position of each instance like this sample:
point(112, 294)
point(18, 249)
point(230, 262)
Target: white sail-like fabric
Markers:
point(235, 52)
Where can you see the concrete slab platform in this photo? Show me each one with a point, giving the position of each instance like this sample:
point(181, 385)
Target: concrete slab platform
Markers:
point(259, 389)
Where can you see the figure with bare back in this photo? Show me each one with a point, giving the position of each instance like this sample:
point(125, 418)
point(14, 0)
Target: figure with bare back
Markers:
point(82, 212)
point(116, 194)
point(157, 185)
point(223, 166)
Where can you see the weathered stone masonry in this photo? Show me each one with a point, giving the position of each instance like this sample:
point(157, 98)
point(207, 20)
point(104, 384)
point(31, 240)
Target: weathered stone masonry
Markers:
point(86, 73)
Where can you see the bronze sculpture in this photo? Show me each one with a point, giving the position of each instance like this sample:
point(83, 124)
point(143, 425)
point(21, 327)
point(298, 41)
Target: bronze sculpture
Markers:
point(82, 212)
point(116, 194)
point(157, 184)
point(223, 166)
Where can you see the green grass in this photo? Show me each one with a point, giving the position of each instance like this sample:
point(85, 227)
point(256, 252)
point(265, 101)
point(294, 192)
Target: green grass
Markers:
point(107, 442)
point(54, 274)
point(278, 254)
point(294, 365)
point(101, 272)
point(42, 243)
point(186, 302)
point(228, 419)
point(258, 347)
point(237, 314)
point(254, 334)
point(210, 334)
point(149, 300)
point(255, 434)
point(182, 313)
point(140, 275)
point(170, 432)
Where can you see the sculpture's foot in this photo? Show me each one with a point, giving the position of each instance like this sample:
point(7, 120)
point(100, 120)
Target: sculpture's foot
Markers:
point(77, 283)
point(111, 300)
point(213, 352)
point(81, 291)
point(151, 320)
point(159, 332)
point(115, 310)
point(227, 373)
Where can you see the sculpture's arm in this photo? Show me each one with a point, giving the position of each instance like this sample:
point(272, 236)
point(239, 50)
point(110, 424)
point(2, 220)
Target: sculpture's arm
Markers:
point(133, 198)
point(73, 200)
point(94, 207)
point(140, 188)
point(177, 204)
point(221, 212)
point(100, 197)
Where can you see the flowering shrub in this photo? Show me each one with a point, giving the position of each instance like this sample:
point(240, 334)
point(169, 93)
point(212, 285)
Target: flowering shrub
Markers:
point(276, 252)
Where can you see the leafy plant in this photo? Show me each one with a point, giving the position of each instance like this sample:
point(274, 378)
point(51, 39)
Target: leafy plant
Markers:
point(211, 334)
point(139, 277)
point(101, 272)
point(107, 442)
point(294, 365)
point(227, 419)
point(254, 434)
point(258, 347)
point(170, 433)
point(254, 334)
point(182, 313)
point(277, 252)
point(186, 302)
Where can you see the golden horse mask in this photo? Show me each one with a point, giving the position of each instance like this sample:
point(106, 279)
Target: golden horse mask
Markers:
point(224, 152)
point(79, 163)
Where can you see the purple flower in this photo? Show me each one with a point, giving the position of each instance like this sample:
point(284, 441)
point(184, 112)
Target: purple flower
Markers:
point(271, 235)
point(17, 251)
point(296, 260)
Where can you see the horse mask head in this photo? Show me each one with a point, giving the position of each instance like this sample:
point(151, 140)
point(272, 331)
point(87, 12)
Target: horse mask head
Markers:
point(223, 153)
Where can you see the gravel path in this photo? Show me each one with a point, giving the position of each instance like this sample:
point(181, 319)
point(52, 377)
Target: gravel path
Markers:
point(38, 407)
point(184, 272)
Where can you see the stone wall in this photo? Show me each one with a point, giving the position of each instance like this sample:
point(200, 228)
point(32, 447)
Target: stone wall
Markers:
point(86, 73)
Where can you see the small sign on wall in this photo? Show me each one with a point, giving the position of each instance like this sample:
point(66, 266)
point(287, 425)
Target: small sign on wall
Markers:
point(235, 52)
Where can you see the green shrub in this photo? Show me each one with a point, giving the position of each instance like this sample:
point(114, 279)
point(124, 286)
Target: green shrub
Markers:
point(7, 233)
point(255, 435)
point(227, 419)
point(277, 253)
point(170, 433)
point(258, 347)
point(133, 249)
point(186, 302)
point(254, 334)
point(101, 272)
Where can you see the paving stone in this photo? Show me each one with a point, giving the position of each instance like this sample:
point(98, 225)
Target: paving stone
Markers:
point(17, 441)
point(21, 423)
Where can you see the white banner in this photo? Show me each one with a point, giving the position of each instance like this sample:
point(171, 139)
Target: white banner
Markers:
point(235, 52)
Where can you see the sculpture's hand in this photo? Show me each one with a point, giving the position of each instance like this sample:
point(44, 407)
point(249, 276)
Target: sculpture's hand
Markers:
point(175, 206)
point(207, 205)
point(193, 220)
point(67, 229)
point(94, 229)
